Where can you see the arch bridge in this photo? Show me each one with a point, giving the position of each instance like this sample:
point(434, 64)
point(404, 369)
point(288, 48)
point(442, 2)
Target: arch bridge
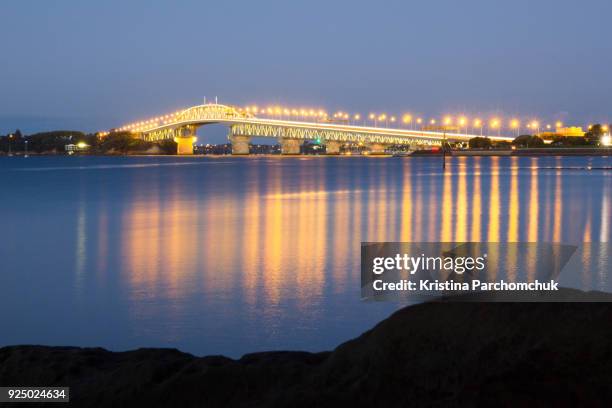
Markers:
point(181, 127)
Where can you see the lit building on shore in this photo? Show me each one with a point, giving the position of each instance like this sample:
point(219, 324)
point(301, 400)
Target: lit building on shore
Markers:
point(569, 131)
point(76, 148)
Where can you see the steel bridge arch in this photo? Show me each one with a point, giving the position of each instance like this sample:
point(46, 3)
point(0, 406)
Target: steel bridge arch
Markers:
point(187, 121)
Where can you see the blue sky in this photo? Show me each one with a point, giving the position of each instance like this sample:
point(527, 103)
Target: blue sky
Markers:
point(95, 65)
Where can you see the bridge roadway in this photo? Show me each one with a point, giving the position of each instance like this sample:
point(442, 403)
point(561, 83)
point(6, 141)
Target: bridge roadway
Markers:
point(182, 127)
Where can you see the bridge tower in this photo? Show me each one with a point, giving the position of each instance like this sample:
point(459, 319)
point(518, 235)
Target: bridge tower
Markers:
point(185, 140)
point(332, 147)
point(376, 148)
point(289, 145)
point(240, 144)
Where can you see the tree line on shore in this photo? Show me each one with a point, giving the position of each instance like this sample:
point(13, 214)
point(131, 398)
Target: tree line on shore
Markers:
point(591, 138)
point(55, 142)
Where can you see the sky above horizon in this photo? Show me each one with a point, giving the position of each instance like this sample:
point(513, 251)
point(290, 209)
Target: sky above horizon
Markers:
point(96, 65)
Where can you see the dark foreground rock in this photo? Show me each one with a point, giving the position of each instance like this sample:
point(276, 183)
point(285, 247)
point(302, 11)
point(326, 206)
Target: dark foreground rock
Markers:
point(432, 354)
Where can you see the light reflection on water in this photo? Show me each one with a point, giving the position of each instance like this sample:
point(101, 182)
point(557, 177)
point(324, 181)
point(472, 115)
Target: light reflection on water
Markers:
point(236, 255)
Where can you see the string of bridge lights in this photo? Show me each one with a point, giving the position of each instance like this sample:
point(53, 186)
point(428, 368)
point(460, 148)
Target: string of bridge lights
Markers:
point(376, 119)
point(384, 118)
point(149, 123)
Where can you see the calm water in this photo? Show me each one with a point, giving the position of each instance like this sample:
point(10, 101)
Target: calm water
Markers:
point(233, 255)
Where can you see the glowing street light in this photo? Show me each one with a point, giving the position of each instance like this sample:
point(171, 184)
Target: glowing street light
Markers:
point(495, 124)
point(462, 122)
point(10, 137)
point(407, 119)
point(478, 124)
point(383, 116)
point(559, 125)
point(515, 124)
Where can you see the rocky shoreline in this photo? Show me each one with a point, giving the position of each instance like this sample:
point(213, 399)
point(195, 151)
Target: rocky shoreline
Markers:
point(438, 353)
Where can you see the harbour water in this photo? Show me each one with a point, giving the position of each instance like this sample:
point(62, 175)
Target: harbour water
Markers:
point(234, 255)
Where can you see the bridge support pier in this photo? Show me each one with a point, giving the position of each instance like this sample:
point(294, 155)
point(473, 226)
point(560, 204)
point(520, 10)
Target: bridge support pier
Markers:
point(290, 146)
point(240, 144)
point(332, 147)
point(184, 145)
point(184, 142)
point(376, 148)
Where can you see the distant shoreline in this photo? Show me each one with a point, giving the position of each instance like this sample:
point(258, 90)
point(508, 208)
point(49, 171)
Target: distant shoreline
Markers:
point(531, 152)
